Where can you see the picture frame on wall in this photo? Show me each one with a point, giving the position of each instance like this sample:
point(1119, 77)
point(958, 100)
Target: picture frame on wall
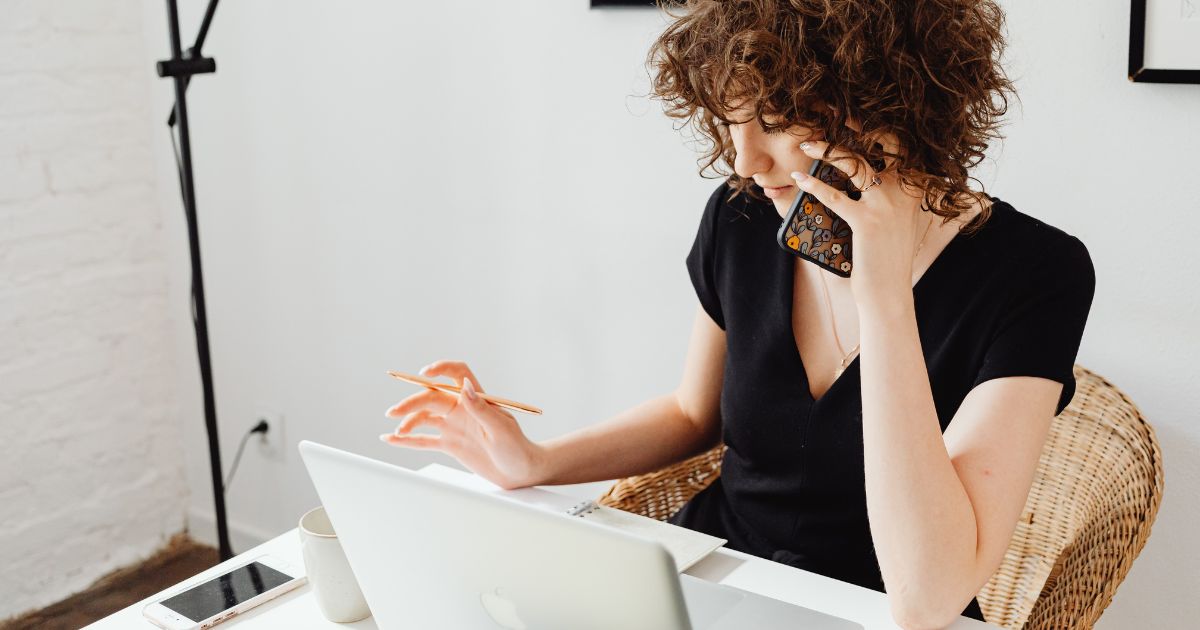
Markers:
point(1164, 41)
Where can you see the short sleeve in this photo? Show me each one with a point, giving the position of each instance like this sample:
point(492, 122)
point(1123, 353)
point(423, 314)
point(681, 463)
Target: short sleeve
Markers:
point(1042, 324)
point(702, 259)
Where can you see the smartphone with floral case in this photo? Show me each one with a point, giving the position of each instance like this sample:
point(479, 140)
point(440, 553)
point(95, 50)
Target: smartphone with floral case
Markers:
point(816, 233)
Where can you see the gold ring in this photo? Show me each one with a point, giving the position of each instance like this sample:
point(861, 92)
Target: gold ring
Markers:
point(874, 180)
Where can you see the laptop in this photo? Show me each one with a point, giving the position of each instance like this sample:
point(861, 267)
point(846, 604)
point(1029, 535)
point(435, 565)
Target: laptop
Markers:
point(429, 554)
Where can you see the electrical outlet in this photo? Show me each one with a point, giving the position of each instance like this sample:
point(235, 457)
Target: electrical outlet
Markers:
point(273, 444)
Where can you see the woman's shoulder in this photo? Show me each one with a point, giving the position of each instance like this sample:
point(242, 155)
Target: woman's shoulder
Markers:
point(1033, 245)
point(1029, 229)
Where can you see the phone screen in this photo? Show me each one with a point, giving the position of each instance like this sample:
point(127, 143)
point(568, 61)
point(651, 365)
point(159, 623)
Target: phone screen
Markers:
point(226, 591)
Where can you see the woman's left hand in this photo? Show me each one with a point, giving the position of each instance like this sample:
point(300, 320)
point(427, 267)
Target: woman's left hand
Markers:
point(886, 222)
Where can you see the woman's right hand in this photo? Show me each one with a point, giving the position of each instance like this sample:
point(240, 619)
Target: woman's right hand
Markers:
point(484, 437)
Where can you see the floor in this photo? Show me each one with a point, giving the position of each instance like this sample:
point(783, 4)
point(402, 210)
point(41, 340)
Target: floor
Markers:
point(181, 558)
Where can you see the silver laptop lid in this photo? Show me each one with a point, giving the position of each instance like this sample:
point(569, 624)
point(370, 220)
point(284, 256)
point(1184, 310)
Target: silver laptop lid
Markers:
point(428, 554)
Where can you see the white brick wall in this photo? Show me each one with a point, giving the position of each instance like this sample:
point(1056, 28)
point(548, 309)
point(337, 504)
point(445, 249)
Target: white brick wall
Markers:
point(91, 465)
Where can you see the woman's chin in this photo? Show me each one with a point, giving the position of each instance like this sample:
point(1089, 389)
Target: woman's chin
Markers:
point(782, 206)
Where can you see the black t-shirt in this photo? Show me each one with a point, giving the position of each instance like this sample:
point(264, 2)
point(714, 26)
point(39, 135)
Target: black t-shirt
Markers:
point(1009, 300)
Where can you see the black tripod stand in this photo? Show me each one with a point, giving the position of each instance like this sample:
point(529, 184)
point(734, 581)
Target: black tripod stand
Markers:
point(181, 67)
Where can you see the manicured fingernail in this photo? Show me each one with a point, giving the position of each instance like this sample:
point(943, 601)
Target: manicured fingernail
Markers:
point(422, 371)
point(469, 389)
point(798, 176)
point(383, 437)
point(804, 145)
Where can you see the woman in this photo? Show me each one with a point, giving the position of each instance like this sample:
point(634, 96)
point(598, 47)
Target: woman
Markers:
point(882, 429)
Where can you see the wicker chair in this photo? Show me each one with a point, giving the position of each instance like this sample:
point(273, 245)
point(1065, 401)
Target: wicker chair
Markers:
point(1097, 490)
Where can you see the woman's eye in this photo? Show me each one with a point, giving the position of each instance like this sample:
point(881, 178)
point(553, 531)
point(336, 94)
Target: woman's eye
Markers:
point(777, 126)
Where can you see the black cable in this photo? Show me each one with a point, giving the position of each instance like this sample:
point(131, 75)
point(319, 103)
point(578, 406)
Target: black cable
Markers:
point(261, 427)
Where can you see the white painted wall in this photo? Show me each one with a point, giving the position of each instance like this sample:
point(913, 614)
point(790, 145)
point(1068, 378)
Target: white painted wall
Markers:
point(362, 209)
point(1113, 163)
point(383, 184)
point(90, 459)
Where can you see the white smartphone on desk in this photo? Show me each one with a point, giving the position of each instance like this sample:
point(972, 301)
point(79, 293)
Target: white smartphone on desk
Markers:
point(220, 598)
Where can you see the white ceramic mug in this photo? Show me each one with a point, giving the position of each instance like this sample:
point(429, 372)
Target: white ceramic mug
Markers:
point(333, 583)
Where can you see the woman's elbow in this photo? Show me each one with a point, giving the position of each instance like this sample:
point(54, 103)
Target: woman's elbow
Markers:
point(912, 616)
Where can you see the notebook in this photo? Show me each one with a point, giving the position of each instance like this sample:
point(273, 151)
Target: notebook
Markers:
point(686, 546)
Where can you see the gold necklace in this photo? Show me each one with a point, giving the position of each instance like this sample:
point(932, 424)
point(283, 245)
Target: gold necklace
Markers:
point(829, 304)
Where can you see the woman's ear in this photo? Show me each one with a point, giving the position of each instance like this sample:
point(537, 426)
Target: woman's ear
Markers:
point(851, 122)
point(890, 144)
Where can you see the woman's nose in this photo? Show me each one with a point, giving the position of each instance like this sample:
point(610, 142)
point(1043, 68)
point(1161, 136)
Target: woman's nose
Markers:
point(750, 159)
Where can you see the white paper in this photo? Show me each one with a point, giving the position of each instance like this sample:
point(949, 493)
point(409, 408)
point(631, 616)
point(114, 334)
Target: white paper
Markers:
point(687, 546)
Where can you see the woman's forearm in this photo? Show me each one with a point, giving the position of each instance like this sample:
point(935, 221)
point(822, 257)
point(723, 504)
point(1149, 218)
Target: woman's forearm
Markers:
point(921, 519)
point(642, 439)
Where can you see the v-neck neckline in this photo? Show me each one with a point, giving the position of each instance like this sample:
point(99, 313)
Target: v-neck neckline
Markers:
point(788, 260)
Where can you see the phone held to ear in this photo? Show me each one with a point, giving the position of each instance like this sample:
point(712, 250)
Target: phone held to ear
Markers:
point(816, 233)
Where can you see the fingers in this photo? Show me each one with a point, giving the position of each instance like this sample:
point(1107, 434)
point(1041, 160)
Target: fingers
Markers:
point(831, 197)
point(456, 370)
point(854, 166)
point(421, 418)
point(430, 399)
point(429, 442)
point(891, 146)
point(402, 436)
point(492, 418)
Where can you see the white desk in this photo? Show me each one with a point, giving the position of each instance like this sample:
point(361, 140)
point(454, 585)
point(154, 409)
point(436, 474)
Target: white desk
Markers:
point(298, 610)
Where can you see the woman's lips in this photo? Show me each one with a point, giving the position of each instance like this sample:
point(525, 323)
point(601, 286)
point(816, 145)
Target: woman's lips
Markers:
point(776, 193)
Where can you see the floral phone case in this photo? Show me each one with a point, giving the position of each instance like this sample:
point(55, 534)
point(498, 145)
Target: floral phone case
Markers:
point(816, 233)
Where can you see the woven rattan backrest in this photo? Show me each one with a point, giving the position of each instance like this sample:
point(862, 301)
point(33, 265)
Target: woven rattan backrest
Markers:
point(1088, 514)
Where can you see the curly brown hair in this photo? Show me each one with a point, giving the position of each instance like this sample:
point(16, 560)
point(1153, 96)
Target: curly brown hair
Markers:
point(927, 71)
